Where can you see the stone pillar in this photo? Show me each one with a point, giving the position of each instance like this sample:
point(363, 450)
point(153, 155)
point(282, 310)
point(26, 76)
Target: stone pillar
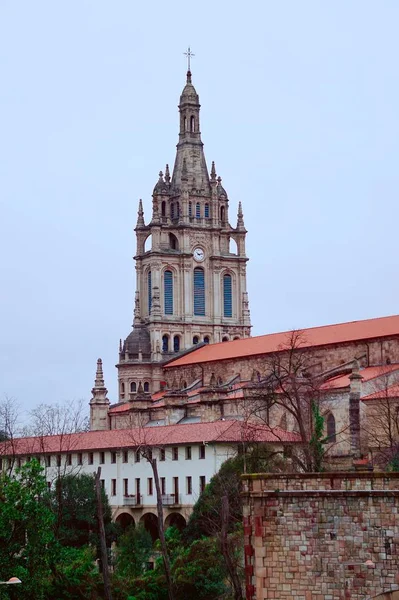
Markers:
point(354, 410)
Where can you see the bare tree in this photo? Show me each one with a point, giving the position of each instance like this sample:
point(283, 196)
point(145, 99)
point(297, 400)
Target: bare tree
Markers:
point(9, 421)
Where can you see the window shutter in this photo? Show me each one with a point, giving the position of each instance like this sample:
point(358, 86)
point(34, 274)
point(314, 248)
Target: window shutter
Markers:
point(168, 292)
point(227, 296)
point(199, 292)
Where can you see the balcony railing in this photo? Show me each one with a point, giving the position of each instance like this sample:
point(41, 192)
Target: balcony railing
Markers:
point(171, 499)
point(132, 500)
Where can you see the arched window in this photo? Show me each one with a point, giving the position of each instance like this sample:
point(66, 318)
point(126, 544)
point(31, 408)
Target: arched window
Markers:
point(227, 296)
point(206, 211)
point(163, 208)
point(146, 386)
point(173, 243)
point(184, 384)
point(133, 387)
point(198, 210)
point(168, 292)
point(122, 387)
point(165, 343)
point(192, 124)
point(176, 343)
point(225, 339)
point(331, 432)
point(206, 339)
point(222, 213)
point(199, 292)
point(172, 210)
point(236, 337)
point(190, 209)
point(149, 286)
point(177, 210)
point(195, 339)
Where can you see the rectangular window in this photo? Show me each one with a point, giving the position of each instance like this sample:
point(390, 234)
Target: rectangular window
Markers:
point(227, 296)
point(48, 460)
point(113, 457)
point(80, 458)
point(137, 456)
point(58, 460)
point(202, 451)
point(125, 487)
point(19, 463)
point(207, 211)
point(202, 483)
point(188, 452)
point(69, 460)
point(189, 485)
point(113, 487)
point(125, 456)
point(175, 453)
point(163, 486)
point(199, 292)
point(102, 482)
point(149, 486)
point(162, 454)
point(138, 492)
point(168, 292)
point(102, 458)
point(91, 458)
point(176, 489)
point(198, 210)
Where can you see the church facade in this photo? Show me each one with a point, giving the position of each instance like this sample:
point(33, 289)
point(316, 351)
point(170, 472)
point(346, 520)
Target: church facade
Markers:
point(190, 264)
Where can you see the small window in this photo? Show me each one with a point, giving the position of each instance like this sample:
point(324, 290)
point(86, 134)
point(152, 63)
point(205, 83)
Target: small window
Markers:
point(48, 461)
point(189, 485)
point(58, 460)
point(176, 343)
point(163, 208)
point(102, 458)
point(206, 339)
point(198, 210)
point(102, 482)
point(188, 452)
point(125, 456)
point(146, 387)
point(163, 486)
point(192, 124)
point(137, 456)
point(202, 451)
point(190, 209)
point(149, 486)
point(331, 431)
point(113, 457)
point(195, 339)
point(202, 483)
point(125, 487)
point(165, 343)
point(222, 213)
point(162, 454)
point(172, 211)
point(175, 453)
point(133, 387)
point(91, 458)
point(113, 487)
point(122, 388)
point(206, 211)
point(80, 458)
point(225, 339)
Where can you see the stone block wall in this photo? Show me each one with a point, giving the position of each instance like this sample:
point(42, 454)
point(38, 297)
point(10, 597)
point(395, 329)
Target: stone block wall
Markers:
point(321, 536)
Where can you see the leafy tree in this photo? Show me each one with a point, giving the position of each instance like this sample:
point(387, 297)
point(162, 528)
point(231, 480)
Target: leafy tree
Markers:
point(75, 575)
point(133, 551)
point(26, 531)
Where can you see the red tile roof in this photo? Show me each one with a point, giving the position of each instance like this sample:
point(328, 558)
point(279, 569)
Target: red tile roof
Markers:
point(274, 342)
point(390, 392)
point(342, 381)
point(218, 432)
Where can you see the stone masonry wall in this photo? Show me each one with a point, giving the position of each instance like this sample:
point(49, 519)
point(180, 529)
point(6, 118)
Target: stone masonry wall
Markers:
point(308, 536)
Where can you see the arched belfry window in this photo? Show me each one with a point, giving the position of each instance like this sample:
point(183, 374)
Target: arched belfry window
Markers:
point(222, 213)
point(331, 431)
point(192, 124)
point(199, 292)
point(198, 210)
point(168, 292)
point(133, 387)
point(176, 343)
point(195, 340)
point(149, 286)
point(227, 295)
point(163, 208)
point(146, 386)
point(165, 343)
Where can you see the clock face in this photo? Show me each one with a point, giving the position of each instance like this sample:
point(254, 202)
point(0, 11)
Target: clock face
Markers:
point(198, 254)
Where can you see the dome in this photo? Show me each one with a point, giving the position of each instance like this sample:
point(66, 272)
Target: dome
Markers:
point(138, 339)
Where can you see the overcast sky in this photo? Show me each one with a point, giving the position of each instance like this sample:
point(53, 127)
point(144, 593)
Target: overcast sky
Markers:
point(299, 111)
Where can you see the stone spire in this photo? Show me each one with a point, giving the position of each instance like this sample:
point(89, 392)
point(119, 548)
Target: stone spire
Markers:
point(140, 215)
point(99, 402)
point(190, 146)
point(240, 218)
point(213, 171)
point(167, 174)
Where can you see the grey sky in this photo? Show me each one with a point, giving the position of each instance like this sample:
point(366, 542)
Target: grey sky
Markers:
point(299, 111)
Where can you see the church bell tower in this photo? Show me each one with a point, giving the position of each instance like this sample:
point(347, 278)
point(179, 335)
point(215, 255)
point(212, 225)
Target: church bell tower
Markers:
point(190, 264)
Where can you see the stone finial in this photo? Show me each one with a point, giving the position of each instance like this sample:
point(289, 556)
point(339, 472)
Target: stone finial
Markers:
point(120, 345)
point(167, 174)
point(140, 215)
point(246, 314)
point(137, 312)
point(213, 171)
point(240, 217)
point(99, 390)
point(140, 389)
point(184, 172)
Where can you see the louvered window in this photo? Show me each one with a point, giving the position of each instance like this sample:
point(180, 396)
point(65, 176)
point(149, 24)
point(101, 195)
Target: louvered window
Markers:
point(172, 211)
point(168, 292)
point(227, 296)
point(198, 210)
point(206, 211)
point(199, 292)
point(149, 285)
point(190, 209)
point(176, 343)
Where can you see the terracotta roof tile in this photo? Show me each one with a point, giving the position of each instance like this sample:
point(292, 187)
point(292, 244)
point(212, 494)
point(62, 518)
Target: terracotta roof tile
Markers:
point(342, 381)
point(274, 342)
point(390, 392)
point(217, 431)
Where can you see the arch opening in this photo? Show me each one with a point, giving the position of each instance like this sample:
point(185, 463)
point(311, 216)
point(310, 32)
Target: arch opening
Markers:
point(331, 428)
point(148, 243)
point(125, 520)
point(146, 387)
point(176, 343)
point(173, 242)
point(233, 247)
point(133, 387)
point(165, 343)
point(150, 522)
point(175, 520)
point(195, 339)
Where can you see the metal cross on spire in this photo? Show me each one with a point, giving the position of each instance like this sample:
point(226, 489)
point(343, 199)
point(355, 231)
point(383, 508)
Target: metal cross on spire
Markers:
point(189, 55)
